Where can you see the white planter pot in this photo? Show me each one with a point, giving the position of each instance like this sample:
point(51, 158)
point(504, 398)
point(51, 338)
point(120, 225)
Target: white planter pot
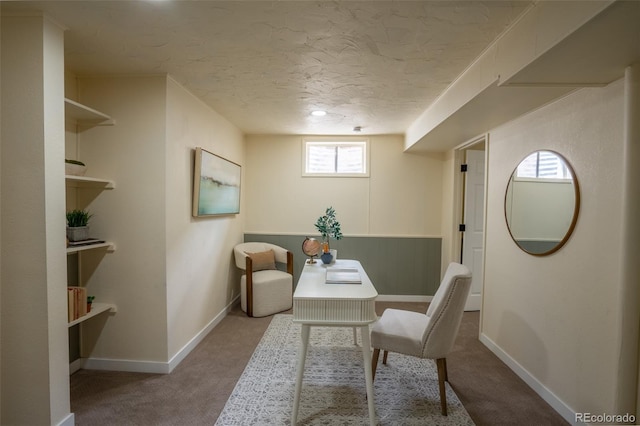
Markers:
point(78, 234)
point(74, 169)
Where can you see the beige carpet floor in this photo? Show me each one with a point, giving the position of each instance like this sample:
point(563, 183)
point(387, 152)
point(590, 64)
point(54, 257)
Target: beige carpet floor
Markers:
point(197, 390)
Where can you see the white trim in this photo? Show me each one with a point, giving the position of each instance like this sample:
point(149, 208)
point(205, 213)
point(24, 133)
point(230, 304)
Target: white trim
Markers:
point(543, 180)
point(471, 142)
point(402, 298)
point(134, 366)
point(545, 393)
point(336, 175)
point(69, 420)
point(130, 366)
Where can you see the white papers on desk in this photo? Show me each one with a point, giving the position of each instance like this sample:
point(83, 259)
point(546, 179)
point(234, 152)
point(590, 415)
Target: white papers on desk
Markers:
point(343, 276)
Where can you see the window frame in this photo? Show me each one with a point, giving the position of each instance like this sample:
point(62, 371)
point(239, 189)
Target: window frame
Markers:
point(538, 178)
point(335, 142)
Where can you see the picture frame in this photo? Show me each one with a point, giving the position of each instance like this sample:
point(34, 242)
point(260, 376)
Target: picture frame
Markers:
point(216, 185)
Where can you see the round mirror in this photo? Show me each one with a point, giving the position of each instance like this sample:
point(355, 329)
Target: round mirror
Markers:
point(542, 203)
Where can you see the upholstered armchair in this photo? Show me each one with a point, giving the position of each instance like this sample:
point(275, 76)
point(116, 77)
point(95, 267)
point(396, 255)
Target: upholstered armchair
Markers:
point(429, 335)
point(264, 289)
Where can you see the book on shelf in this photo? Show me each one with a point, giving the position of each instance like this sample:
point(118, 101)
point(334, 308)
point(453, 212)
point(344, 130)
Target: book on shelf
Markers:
point(343, 276)
point(76, 302)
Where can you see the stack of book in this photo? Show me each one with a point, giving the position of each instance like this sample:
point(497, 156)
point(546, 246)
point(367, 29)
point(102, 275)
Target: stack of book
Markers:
point(89, 242)
point(77, 298)
point(343, 276)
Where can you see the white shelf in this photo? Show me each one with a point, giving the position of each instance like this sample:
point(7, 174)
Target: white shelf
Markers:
point(109, 246)
point(87, 182)
point(96, 309)
point(84, 115)
point(79, 118)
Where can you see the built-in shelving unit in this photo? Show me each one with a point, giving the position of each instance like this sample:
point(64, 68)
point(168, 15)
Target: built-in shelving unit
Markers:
point(96, 309)
point(109, 246)
point(89, 182)
point(84, 117)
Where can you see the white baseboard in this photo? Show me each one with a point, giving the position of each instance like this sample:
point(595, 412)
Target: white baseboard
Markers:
point(130, 366)
point(556, 403)
point(402, 298)
point(156, 367)
point(69, 420)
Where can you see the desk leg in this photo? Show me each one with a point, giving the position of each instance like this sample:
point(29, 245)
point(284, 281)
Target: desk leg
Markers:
point(302, 355)
point(368, 375)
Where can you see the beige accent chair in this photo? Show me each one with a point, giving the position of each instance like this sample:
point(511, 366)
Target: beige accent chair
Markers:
point(429, 335)
point(264, 289)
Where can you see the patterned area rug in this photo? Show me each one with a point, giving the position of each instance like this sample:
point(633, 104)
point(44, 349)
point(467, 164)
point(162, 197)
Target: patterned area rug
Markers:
point(333, 391)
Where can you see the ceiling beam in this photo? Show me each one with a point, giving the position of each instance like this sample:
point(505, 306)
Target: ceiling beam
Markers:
point(552, 49)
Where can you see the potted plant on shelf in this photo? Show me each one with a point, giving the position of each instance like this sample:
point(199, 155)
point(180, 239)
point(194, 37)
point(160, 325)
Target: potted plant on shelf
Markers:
point(329, 227)
point(89, 302)
point(78, 225)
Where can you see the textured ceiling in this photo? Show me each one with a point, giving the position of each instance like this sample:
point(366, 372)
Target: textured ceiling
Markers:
point(266, 65)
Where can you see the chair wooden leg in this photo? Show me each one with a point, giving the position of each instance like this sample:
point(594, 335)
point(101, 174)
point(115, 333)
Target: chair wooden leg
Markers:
point(446, 372)
point(249, 295)
point(249, 288)
point(374, 360)
point(374, 363)
point(442, 377)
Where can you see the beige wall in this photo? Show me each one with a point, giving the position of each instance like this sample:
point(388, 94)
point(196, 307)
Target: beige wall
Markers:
point(34, 369)
point(402, 196)
point(201, 278)
point(554, 318)
point(132, 153)
point(171, 275)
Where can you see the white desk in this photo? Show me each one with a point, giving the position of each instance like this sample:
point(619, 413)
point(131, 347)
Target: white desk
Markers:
point(316, 302)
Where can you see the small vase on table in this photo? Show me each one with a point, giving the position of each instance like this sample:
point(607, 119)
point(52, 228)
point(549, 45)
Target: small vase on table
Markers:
point(326, 256)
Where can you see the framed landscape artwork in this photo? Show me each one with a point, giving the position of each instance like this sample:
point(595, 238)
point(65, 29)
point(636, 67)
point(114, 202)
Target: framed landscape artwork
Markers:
point(216, 185)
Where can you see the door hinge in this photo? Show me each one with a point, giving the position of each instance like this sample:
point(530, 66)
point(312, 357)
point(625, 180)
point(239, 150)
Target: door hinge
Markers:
point(461, 227)
point(463, 168)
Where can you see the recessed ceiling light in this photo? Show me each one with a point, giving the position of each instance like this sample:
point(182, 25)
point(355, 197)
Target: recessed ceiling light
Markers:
point(318, 113)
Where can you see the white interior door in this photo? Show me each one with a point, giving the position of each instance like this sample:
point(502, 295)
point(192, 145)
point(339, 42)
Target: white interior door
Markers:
point(472, 245)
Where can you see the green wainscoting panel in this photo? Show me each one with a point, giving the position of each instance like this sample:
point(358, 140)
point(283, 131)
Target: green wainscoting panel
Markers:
point(395, 265)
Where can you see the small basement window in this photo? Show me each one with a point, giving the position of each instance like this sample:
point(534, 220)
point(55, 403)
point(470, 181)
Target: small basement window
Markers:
point(543, 165)
point(335, 158)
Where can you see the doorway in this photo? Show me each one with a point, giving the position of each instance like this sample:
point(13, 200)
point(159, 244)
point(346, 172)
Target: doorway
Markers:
point(471, 215)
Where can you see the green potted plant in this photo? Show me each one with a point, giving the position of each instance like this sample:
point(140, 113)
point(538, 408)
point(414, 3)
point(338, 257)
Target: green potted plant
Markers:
point(89, 302)
point(329, 227)
point(78, 225)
